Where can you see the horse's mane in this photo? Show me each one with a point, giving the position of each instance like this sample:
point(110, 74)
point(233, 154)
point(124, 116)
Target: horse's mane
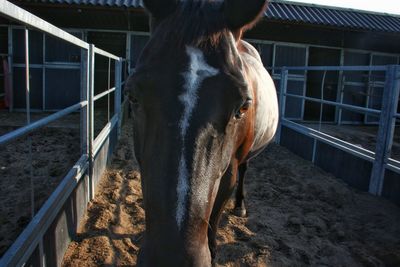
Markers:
point(198, 23)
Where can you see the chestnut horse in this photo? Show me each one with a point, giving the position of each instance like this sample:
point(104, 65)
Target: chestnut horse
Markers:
point(203, 105)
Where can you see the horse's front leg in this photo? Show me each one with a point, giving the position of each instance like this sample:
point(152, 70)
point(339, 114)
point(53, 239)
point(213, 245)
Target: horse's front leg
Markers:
point(240, 208)
point(227, 184)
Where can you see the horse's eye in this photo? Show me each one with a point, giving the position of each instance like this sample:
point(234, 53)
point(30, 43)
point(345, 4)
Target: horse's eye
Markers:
point(243, 109)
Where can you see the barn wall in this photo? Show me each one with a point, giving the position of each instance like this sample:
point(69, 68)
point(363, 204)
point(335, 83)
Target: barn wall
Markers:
point(333, 37)
point(54, 71)
point(280, 44)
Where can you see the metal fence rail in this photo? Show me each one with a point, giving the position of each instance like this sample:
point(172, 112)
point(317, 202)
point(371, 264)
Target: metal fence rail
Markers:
point(380, 158)
point(83, 177)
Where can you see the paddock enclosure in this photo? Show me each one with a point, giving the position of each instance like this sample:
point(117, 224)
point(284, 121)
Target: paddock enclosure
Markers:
point(325, 193)
point(299, 215)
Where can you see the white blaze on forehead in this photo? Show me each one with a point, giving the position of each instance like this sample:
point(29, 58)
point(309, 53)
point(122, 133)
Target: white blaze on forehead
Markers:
point(197, 71)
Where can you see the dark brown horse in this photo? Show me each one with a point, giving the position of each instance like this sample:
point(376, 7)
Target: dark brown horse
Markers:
point(203, 105)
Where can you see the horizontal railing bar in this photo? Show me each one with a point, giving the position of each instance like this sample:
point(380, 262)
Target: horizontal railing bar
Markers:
point(393, 165)
point(358, 84)
point(40, 123)
point(27, 241)
point(328, 139)
point(73, 63)
point(103, 94)
point(49, 66)
point(344, 106)
point(105, 132)
point(32, 66)
point(105, 53)
point(16, 13)
point(334, 68)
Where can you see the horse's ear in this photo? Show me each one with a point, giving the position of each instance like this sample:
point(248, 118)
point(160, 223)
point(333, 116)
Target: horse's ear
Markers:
point(160, 9)
point(243, 14)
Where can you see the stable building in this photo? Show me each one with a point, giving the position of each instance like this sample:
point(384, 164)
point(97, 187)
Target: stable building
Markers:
point(290, 34)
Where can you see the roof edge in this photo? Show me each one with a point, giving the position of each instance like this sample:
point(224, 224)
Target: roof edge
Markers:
point(335, 8)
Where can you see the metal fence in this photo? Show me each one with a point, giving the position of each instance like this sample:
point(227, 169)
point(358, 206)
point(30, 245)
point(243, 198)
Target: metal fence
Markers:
point(335, 154)
point(46, 237)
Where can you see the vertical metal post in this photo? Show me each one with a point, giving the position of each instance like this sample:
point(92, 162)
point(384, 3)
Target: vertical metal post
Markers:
point(108, 87)
point(370, 87)
point(84, 112)
point(282, 101)
point(343, 82)
point(11, 68)
point(84, 97)
point(305, 80)
point(27, 92)
point(338, 110)
point(28, 119)
point(128, 51)
point(91, 118)
point(117, 96)
point(44, 72)
point(386, 129)
point(320, 116)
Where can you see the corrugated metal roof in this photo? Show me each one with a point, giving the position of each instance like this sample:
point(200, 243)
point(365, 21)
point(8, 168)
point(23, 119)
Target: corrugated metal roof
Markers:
point(330, 16)
point(287, 11)
point(116, 3)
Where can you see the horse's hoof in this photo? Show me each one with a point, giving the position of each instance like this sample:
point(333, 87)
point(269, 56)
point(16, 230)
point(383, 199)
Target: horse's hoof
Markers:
point(240, 212)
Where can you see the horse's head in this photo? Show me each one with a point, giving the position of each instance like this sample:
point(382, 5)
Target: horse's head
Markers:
point(191, 103)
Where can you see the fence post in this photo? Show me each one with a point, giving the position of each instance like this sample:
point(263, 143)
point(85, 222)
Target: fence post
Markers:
point(10, 69)
point(321, 112)
point(117, 97)
point(90, 126)
point(282, 102)
point(84, 97)
point(387, 124)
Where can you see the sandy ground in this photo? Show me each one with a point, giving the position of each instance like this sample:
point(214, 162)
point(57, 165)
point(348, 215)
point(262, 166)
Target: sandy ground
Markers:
point(298, 216)
point(54, 152)
point(55, 149)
